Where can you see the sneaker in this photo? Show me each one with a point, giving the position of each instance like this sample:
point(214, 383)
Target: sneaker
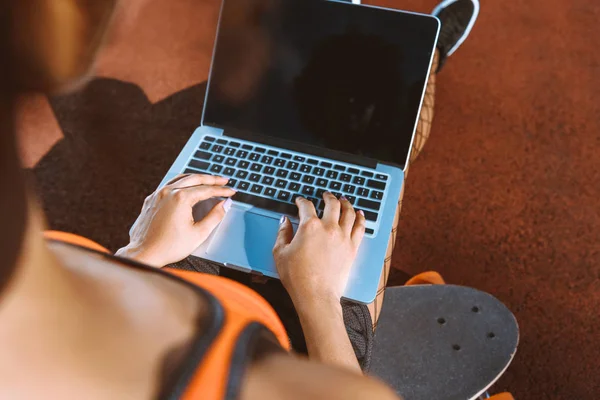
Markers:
point(457, 18)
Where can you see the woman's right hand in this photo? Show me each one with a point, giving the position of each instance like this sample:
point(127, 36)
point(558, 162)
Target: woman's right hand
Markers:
point(165, 232)
point(314, 264)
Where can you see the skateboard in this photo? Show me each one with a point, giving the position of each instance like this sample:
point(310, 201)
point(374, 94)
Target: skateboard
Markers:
point(442, 342)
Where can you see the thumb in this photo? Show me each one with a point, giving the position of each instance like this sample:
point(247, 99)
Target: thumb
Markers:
point(285, 234)
point(212, 219)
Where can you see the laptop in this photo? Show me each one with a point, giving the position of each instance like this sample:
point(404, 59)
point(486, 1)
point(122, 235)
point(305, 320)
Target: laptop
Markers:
point(307, 96)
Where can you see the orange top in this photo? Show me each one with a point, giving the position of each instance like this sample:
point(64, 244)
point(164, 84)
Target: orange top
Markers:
point(242, 307)
point(74, 239)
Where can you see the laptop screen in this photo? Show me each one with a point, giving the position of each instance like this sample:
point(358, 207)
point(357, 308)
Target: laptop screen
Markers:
point(323, 73)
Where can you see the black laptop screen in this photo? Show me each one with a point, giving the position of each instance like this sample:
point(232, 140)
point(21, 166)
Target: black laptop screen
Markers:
point(335, 75)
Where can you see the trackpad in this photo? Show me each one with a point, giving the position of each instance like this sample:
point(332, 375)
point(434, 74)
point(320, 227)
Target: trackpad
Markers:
point(245, 240)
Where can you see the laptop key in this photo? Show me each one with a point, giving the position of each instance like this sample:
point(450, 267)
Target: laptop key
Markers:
point(308, 190)
point(283, 195)
point(381, 177)
point(339, 167)
point(318, 171)
point(230, 161)
point(295, 176)
point(349, 189)
point(337, 195)
point(218, 158)
point(376, 195)
point(362, 192)
point(229, 151)
point(217, 148)
point(280, 183)
point(294, 187)
point(305, 168)
point(280, 162)
point(335, 186)
point(266, 203)
point(229, 171)
point(321, 205)
point(254, 156)
point(286, 155)
point(322, 182)
point(369, 231)
point(241, 174)
point(326, 164)
point(270, 192)
point(267, 180)
point(370, 215)
point(266, 160)
point(351, 199)
point(352, 171)
point(312, 161)
point(199, 164)
point(256, 189)
point(368, 174)
point(247, 147)
point(243, 185)
point(314, 201)
point(320, 193)
point(202, 155)
point(331, 174)
point(273, 153)
point(256, 167)
point(292, 165)
point(209, 138)
point(234, 144)
point(254, 178)
point(205, 145)
point(375, 184)
point(345, 177)
point(260, 149)
point(231, 183)
point(308, 179)
point(269, 170)
point(243, 164)
point(299, 158)
point(222, 141)
point(241, 154)
point(359, 180)
point(282, 173)
point(374, 205)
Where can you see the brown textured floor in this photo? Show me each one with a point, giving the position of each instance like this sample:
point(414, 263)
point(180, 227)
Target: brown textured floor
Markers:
point(505, 197)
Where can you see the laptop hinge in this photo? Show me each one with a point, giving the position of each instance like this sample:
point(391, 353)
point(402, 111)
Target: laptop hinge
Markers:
point(301, 147)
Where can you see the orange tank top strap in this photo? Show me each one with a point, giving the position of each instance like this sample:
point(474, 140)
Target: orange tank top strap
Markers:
point(245, 310)
point(72, 238)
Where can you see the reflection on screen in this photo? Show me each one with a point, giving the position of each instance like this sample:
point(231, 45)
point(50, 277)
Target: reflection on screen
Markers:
point(334, 75)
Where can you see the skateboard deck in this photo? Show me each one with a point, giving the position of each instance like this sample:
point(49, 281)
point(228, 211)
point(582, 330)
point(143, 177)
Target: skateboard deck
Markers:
point(442, 342)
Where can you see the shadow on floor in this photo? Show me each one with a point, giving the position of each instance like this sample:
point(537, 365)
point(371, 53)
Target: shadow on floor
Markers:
point(116, 148)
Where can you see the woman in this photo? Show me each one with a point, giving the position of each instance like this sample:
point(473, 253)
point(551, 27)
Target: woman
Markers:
point(75, 322)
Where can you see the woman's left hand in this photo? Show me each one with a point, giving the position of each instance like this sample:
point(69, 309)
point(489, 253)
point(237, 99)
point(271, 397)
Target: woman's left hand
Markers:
point(165, 231)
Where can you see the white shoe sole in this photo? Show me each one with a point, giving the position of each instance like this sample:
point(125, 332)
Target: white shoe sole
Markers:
point(446, 3)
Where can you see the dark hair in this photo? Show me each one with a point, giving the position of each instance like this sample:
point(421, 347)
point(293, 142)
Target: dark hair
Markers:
point(23, 24)
point(13, 200)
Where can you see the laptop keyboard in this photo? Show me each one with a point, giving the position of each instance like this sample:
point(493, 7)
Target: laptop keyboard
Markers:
point(272, 178)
